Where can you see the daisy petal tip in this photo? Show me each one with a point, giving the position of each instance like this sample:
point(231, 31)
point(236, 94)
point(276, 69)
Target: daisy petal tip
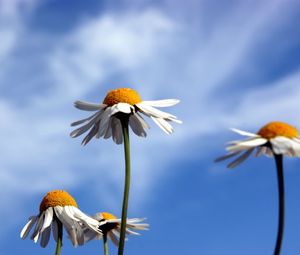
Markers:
point(232, 165)
point(73, 124)
point(176, 101)
point(83, 143)
point(77, 103)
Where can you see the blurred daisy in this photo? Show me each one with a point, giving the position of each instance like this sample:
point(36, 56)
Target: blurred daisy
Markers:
point(117, 103)
point(110, 226)
point(274, 138)
point(59, 209)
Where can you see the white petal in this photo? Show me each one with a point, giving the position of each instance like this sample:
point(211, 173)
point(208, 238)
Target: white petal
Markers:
point(105, 131)
point(247, 144)
point(90, 234)
point(72, 235)
point(260, 151)
point(55, 230)
point(68, 210)
point(164, 125)
point(136, 126)
point(142, 121)
point(282, 145)
point(269, 152)
point(88, 106)
point(117, 133)
point(79, 131)
point(88, 221)
point(135, 220)
point(162, 103)
point(76, 123)
point(125, 108)
point(296, 148)
point(38, 226)
point(79, 230)
point(151, 111)
point(108, 132)
point(58, 210)
point(36, 237)
point(130, 232)
point(109, 111)
point(26, 229)
point(244, 133)
point(234, 142)
point(240, 159)
point(67, 223)
point(91, 134)
point(227, 156)
point(113, 237)
point(139, 226)
point(45, 236)
point(48, 218)
point(297, 139)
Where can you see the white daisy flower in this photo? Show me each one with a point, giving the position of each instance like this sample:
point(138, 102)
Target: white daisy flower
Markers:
point(111, 226)
point(117, 103)
point(274, 138)
point(58, 208)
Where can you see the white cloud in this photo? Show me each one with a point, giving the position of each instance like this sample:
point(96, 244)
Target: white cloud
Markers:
point(276, 101)
point(38, 154)
point(155, 50)
point(13, 15)
point(105, 45)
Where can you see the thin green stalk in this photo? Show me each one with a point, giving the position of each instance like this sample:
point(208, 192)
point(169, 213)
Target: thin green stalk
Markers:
point(59, 239)
point(105, 244)
point(124, 122)
point(279, 166)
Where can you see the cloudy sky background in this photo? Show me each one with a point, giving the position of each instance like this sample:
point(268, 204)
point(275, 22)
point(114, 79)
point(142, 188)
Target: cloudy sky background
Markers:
point(231, 63)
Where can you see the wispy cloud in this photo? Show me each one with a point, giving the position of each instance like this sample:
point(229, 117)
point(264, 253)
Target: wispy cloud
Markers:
point(159, 55)
point(38, 154)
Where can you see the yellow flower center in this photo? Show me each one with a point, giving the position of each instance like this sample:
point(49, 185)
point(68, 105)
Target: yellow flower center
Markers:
point(108, 216)
point(277, 128)
point(57, 198)
point(122, 95)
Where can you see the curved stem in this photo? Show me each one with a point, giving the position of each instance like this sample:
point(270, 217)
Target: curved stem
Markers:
point(105, 244)
point(59, 239)
point(124, 122)
point(279, 166)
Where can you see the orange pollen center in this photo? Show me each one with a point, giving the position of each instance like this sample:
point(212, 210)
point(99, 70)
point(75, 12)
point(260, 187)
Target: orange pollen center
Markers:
point(122, 95)
point(108, 216)
point(277, 128)
point(57, 198)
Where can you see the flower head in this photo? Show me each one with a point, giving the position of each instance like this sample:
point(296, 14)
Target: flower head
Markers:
point(273, 138)
point(58, 206)
point(118, 103)
point(111, 226)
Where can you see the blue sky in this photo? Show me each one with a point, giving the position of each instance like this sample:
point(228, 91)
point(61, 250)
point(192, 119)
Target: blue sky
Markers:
point(231, 63)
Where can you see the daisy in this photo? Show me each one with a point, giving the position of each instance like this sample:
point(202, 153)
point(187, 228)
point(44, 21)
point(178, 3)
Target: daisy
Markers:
point(122, 108)
point(274, 138)
point(59, 209)
point(117, 104)
point(110, 226)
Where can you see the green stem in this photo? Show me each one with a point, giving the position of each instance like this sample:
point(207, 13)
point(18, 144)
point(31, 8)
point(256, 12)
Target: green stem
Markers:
point(59, 239)
point(105, 244)
point(279, 166)
point(124, 122)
